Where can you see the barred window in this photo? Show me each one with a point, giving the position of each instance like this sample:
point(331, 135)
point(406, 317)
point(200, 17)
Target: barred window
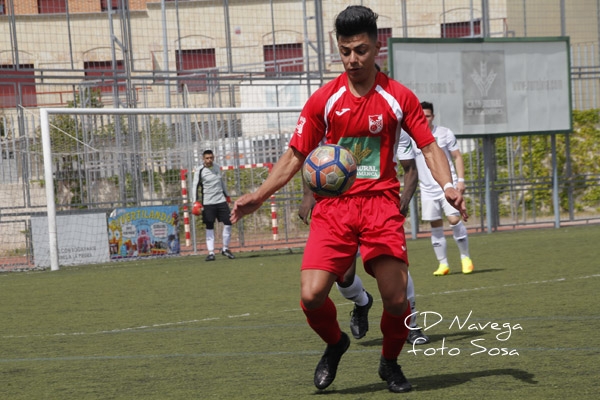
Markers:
point(196, 63)
point(17, 86)
point(115, 4)
point(283, 58)
point(103, 72)
point(461, 29)
point(52, 6)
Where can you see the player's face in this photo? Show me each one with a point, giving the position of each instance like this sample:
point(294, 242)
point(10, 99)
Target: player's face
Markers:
point(209, 159)
point(358, 54)
point(429, 117)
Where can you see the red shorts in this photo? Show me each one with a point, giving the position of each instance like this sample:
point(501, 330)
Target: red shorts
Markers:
point(339, 225)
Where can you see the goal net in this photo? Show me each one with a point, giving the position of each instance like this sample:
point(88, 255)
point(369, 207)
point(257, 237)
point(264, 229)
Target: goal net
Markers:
point(108, 176)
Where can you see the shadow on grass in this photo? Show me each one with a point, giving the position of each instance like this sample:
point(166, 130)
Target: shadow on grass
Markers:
point(476, 271)
point(442, 381)
point(439, 381)
point(269, 253)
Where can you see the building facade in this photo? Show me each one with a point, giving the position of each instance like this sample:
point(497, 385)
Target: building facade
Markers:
point(185, 52)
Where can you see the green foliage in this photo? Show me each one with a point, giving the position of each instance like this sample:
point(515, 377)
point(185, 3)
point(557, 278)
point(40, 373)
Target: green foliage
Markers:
point(110, 129)
point(40, 182)
point(63, 133)
point(585, 147)
point(145, 175)
point(248, 179)
point(171, 180)
point(91, 101)
point(172, 176)
point(158, 137)
point(65, 129)
point(532, 167)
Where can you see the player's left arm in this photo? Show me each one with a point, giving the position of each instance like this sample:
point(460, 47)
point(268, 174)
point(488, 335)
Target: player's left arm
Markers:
point(459, 165)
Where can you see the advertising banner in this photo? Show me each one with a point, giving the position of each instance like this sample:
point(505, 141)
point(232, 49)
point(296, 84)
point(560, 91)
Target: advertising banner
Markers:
point(489, 86)
point(81, 239)
point(143, 232)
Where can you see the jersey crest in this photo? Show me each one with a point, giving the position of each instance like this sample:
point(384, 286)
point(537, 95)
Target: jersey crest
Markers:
point(375, 123)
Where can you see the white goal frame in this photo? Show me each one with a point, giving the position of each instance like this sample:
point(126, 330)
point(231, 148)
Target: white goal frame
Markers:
point(45, 114)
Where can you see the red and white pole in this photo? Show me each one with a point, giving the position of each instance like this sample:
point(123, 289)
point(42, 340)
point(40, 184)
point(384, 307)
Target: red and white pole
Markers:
point(186, 213)
point(274, 218)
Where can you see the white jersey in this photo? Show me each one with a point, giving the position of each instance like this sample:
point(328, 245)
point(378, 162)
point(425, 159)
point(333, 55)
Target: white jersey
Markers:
point(407, 150)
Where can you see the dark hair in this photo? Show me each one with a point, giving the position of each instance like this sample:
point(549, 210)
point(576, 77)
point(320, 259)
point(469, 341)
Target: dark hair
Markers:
point(207, 152)
point(425, 105)
point(355, 20)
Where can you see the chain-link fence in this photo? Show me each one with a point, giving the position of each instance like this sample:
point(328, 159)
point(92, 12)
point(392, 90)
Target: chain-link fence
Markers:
point(194, 54)
point(189, 53)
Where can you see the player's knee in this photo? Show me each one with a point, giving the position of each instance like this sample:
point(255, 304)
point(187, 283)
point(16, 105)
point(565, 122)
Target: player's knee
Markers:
point(395, 304)
point(397, 308)
point(312, 300)
point(459, 231)
point(453, 219)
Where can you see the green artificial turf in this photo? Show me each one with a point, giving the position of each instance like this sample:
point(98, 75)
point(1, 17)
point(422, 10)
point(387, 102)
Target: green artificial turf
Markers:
point(182, 328)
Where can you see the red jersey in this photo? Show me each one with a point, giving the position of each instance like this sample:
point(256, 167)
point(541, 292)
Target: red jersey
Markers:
point(369, 126)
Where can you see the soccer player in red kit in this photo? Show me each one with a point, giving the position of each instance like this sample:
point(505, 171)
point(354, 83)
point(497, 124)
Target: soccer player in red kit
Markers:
point(363, 110)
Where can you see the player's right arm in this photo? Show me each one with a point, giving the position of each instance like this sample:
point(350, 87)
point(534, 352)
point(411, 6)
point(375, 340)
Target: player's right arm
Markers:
point(284, 170)
point(195, 183)
point(196, 205)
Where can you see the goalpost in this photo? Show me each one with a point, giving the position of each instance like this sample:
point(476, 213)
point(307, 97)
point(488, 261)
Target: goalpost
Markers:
point(108, 146)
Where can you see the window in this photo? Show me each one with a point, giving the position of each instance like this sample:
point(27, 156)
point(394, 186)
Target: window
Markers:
point(17, 86)
point(461, 29)
point(382, 35)
point(2, 7)
point(115, 4)
point(283, 58)
point(191, 63)
point(103, 72)
point(52, 6)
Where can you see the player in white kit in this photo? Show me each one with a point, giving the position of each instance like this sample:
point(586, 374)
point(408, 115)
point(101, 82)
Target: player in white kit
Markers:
point(433, 202)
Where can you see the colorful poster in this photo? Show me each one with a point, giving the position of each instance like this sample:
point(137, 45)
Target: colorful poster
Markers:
point(143, 232)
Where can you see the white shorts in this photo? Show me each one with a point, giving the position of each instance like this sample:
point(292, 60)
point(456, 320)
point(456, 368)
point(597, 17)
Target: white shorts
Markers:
point(435, 209)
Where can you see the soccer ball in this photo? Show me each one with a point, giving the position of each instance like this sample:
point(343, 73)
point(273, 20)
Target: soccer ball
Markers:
point(329, 170)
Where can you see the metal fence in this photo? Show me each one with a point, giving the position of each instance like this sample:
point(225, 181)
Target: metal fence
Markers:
point(191, 53)
point(139, 54)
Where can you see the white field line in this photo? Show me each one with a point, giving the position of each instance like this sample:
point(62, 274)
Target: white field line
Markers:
point(195, 321)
